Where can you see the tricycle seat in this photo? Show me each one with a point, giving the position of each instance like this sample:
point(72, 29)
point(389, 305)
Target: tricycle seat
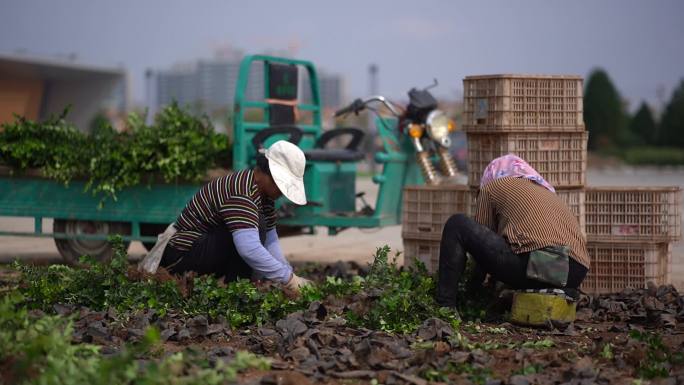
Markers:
point(319, 153)
point(350, 153)
point(333, 155)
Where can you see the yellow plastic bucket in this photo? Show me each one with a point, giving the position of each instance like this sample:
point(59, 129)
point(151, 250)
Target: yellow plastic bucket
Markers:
point(538, 309)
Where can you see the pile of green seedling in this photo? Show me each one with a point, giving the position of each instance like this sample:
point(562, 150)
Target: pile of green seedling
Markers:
point(38, 350)
point(100, 286)
point(399, 301)
point(178, 146)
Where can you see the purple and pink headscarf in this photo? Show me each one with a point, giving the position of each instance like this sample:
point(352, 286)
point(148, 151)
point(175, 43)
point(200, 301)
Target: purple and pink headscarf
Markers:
point(514, 166)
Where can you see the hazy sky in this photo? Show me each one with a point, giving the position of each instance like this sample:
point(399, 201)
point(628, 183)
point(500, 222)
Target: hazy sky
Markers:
point(639, 43)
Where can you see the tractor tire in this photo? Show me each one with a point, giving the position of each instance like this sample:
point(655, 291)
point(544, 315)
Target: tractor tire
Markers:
point(72, 249)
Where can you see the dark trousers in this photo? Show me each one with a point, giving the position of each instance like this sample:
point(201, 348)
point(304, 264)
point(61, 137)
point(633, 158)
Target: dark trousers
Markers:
point(214, 253)
point(492, 255)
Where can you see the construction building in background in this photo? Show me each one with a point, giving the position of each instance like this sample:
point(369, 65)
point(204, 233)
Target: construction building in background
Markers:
point(37, 87)
point(208, 86)
point(331, 89)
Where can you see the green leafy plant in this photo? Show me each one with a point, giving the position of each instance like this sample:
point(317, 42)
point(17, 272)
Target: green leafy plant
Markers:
point(39, 350)
point(390, 299)
point(398, 300)
point(177, 147)
point(54, 146)
point(474, 298)
point(658, 156)
point(607, 351)
point(103, 285)
point(541, 344)
point(658, 358)
point(530, 369)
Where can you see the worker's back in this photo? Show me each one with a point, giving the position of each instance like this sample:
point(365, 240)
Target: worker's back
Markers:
point(530, 217)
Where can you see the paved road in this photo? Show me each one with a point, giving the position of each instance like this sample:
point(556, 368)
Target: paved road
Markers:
point(352, 244)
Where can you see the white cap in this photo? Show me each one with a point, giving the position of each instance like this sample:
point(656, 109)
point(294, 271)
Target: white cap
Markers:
point(287, 162)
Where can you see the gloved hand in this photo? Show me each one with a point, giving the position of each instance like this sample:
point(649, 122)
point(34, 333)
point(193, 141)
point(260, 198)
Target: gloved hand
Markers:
point(296, 283)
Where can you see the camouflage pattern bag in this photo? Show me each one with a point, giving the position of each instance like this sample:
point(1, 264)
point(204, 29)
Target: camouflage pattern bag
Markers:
point(549, 265)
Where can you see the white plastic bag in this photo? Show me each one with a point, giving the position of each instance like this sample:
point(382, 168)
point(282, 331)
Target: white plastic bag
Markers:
point(151, 261)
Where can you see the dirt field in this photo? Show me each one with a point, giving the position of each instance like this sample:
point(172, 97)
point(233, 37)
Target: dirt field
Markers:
point(625, 338)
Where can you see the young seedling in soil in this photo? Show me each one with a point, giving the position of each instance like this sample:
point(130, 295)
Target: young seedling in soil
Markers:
point(383, 327)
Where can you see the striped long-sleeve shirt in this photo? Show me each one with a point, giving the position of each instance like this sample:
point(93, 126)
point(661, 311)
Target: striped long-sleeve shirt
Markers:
point(232, 200)
point(530, 217)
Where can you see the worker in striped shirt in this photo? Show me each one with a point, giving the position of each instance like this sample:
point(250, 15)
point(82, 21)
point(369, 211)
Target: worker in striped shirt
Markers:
point(522, 234)
point(228, 228)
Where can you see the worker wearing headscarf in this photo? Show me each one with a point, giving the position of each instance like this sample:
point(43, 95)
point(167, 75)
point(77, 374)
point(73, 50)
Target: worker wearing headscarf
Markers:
point(522, 234)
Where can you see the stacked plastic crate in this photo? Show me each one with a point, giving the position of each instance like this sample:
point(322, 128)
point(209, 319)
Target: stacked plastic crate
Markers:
point(537, 117)
point(425, 210)
point(629, 230)
point(629, 233)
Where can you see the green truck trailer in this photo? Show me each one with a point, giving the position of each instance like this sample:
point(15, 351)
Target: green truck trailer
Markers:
point(81, 224)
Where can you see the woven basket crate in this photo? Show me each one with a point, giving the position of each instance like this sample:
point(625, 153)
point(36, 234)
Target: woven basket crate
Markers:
point(560, 157)
point(616, 266)
point(426, 208)
point(425, 250)
point(633, 214)
point(522, 103)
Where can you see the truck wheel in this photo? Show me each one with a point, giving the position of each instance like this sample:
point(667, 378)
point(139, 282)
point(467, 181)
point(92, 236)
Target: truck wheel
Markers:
point(72, 249)
point(151, 230)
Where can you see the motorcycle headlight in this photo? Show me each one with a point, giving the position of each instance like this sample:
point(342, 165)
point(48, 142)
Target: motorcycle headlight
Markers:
point(438, 127)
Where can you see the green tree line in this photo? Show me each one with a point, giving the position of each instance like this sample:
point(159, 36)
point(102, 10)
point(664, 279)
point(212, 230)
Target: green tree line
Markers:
point(639, 138)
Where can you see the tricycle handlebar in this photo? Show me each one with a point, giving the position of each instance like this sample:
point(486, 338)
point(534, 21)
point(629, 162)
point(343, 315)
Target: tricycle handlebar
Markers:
point(358, 105)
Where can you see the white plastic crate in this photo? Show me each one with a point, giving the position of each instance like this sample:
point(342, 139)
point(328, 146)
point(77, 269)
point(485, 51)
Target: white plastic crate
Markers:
point(426, 208)
point(423, 250)
point(560, 157)
point(523, 103)
point(616, 266)
point(634, 214)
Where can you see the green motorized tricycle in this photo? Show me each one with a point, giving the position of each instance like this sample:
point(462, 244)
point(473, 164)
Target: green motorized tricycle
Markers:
point(412, 140)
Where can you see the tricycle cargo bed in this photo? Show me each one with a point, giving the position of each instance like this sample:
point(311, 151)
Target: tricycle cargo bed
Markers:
point(86, 220)
point(39, 197)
